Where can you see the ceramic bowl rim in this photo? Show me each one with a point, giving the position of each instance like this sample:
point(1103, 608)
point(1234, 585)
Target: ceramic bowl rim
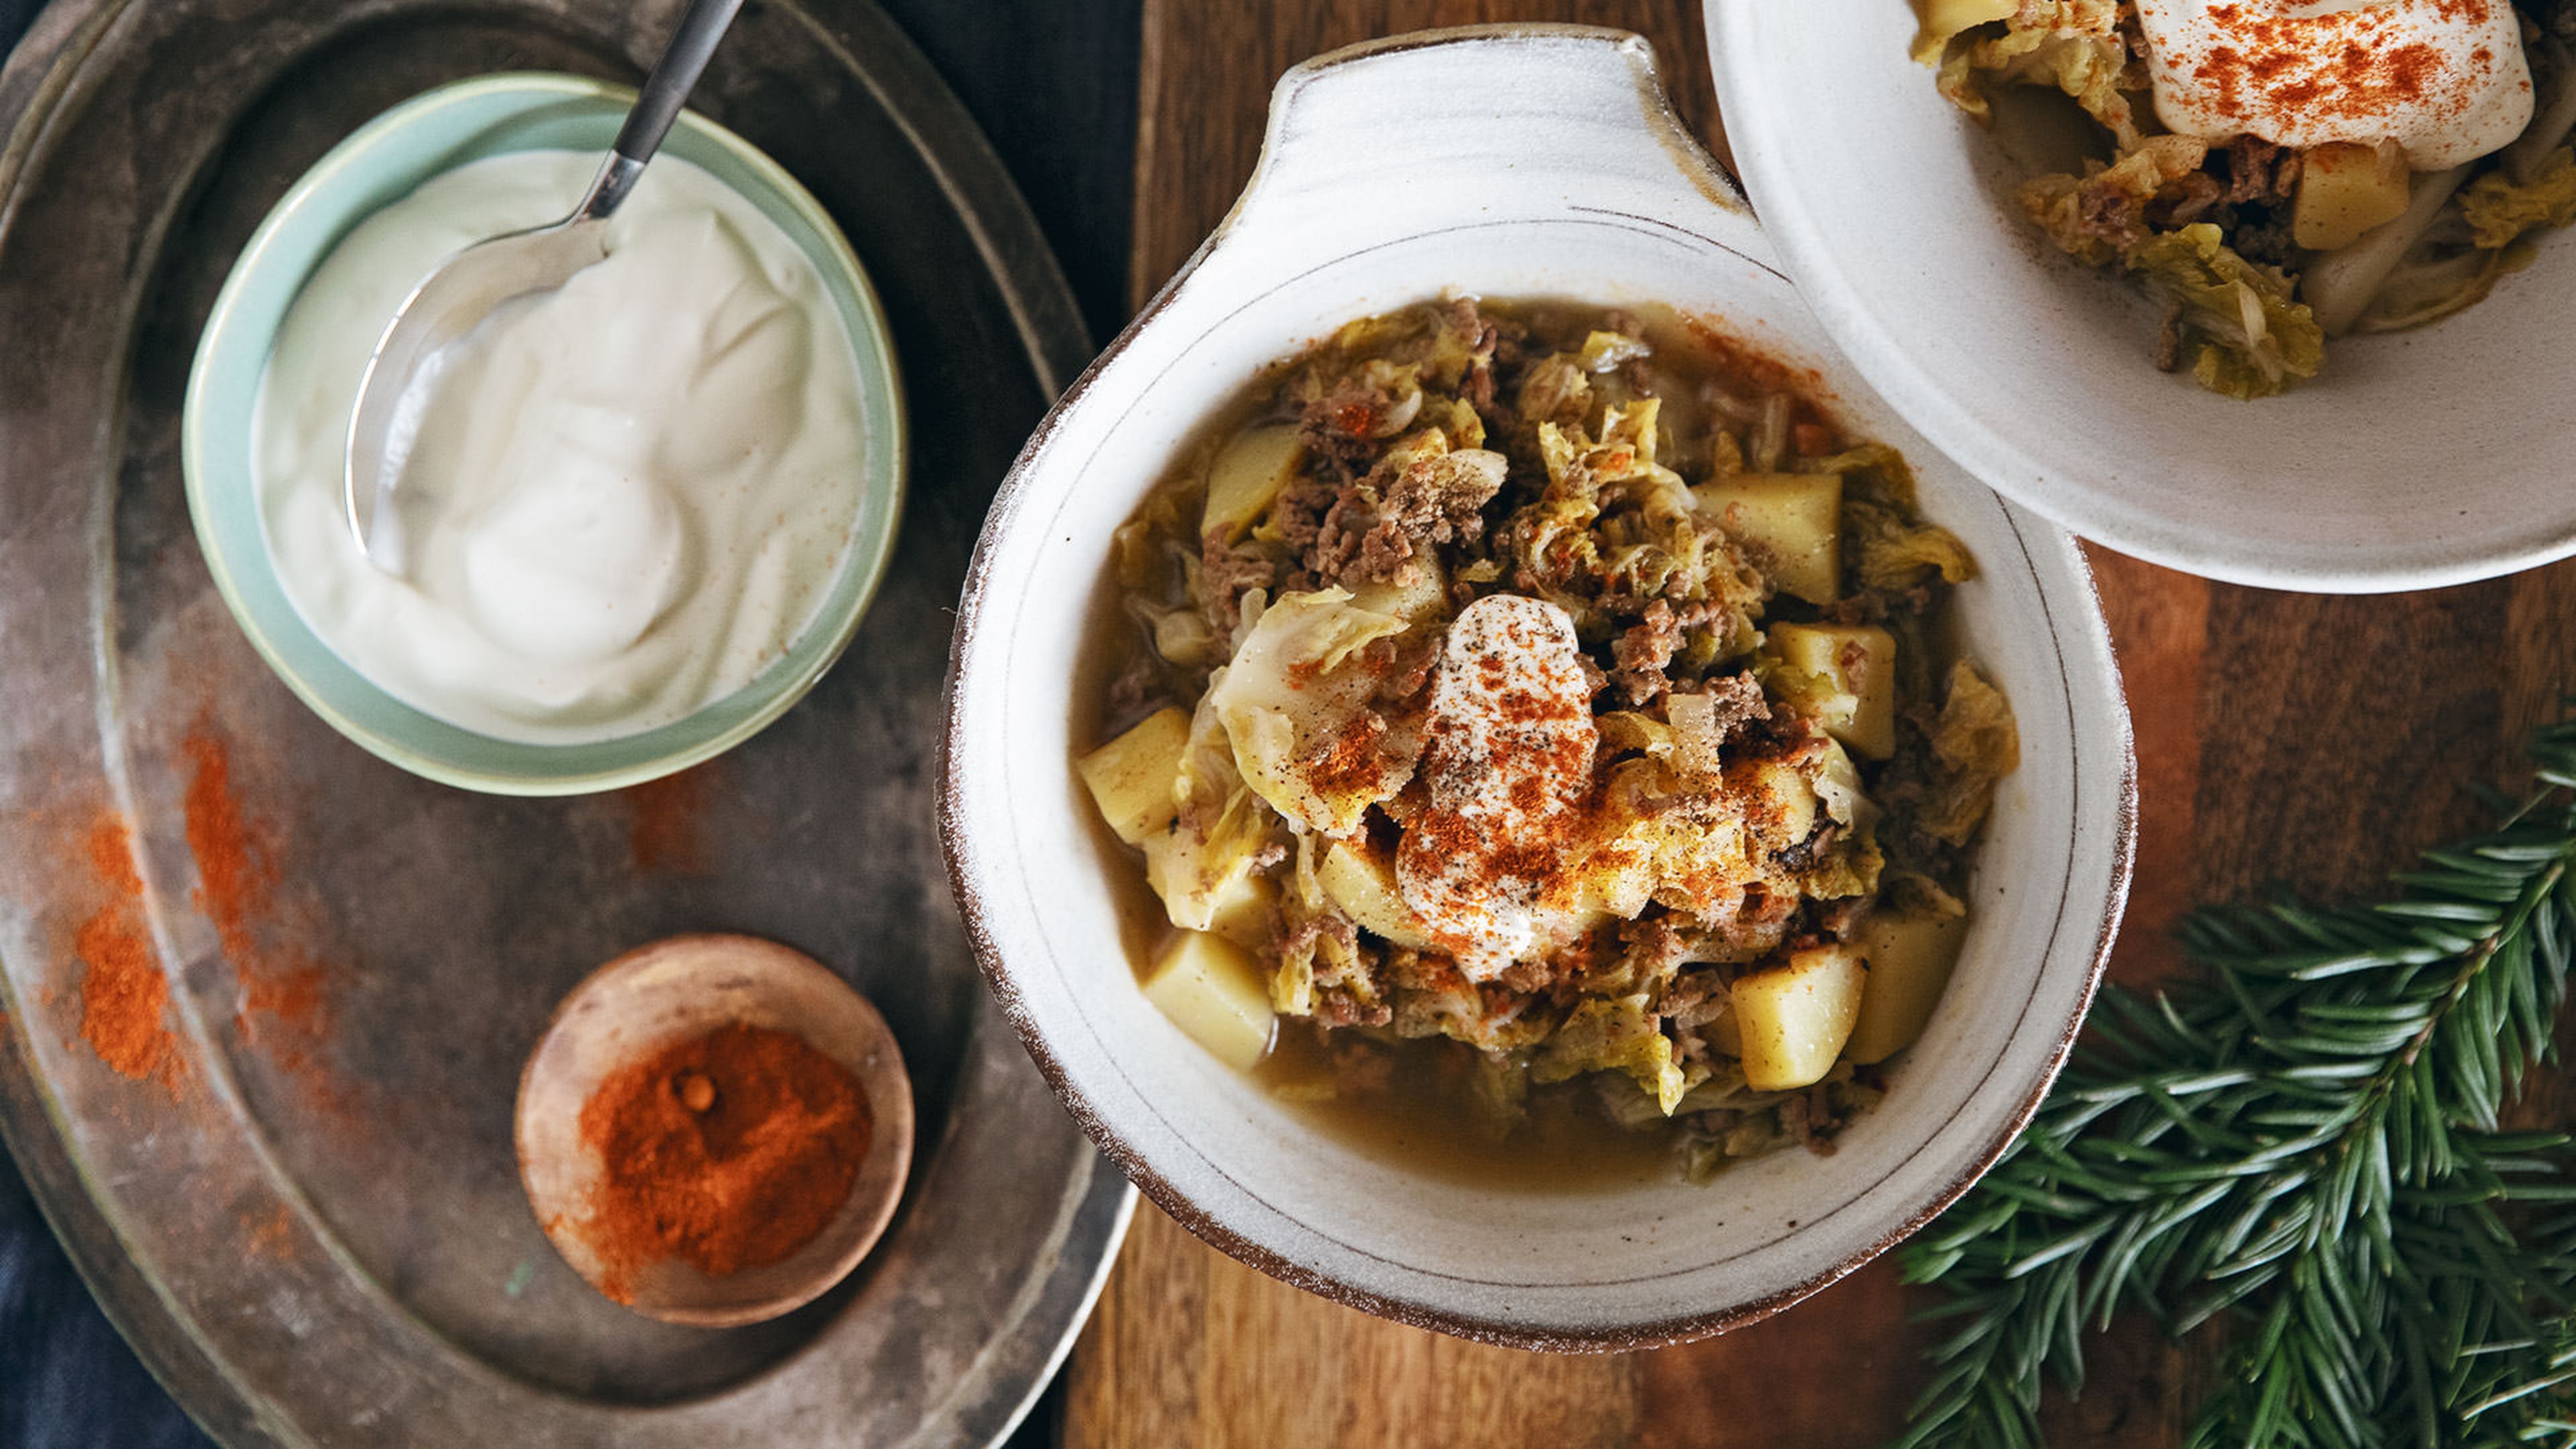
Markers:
point(871, 551)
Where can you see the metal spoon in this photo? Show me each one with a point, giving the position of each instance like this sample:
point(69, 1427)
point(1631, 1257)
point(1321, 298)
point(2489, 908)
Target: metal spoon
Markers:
point(467, 286)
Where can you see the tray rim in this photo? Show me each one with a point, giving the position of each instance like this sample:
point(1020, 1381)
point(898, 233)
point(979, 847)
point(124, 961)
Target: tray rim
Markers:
point(36, 76)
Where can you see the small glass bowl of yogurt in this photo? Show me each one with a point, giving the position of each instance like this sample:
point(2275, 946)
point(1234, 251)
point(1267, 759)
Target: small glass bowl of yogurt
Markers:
point(641, 515)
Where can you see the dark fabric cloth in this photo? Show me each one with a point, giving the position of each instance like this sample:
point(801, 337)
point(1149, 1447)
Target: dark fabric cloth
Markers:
point(1053, 83)
point(66, 1380)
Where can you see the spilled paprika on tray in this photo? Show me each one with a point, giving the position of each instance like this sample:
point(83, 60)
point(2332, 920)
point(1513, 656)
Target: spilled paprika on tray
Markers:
point(125, 1000)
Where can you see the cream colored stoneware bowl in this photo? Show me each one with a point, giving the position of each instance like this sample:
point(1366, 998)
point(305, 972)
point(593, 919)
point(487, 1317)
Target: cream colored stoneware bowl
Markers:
point(1516, 162)
point(2415, 459)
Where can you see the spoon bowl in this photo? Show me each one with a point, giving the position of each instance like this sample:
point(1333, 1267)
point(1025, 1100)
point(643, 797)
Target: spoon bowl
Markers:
point(676, 990)
point(453, 299)
point(448, 304)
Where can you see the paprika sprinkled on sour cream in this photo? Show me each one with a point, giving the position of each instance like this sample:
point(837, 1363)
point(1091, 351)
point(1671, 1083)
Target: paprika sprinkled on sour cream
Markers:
point(624, 498)
point(1508, 751)
point(2445, 79)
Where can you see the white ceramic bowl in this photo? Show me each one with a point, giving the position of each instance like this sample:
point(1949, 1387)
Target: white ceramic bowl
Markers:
point(2413, 460)
point(1533, 162)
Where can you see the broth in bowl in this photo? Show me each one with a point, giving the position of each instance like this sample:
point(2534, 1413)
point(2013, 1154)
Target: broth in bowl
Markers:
point(1538, 727)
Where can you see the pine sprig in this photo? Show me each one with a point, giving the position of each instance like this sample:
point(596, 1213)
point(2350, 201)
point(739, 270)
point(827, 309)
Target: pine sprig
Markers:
point(2303, 1146)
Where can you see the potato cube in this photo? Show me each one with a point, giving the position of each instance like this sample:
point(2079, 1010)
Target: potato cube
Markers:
point(1909, 956)
point(1362, 882)
point(1247, 475)
point(1131, 777)
point(1844, 675)
point(1427, 596)
point(1203, 882)
point(1794, 1018)
point(1779, 803)
point(1241, 911)
point(1791, 525)
point(1957, 15)
point(2345, 190)
point(1210, 988)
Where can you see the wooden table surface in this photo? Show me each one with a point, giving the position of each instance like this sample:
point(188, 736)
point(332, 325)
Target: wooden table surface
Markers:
point(2289, 738)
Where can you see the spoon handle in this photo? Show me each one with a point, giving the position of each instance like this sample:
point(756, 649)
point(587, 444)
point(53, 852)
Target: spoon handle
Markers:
point(665, 91)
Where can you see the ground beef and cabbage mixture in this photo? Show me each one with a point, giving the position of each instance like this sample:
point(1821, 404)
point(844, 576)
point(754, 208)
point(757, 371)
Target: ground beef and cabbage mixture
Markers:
point(2256, 252)
point(1561, 688)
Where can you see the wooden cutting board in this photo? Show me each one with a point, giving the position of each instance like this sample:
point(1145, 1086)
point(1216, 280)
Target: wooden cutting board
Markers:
point(2307, 740)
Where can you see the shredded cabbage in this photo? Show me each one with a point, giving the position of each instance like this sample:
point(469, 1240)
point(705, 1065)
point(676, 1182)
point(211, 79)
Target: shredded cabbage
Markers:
point(1627, 732)
point(2074, 45)
point(1291, 701)
point(2251, 338)
point(1890, 548)
point(2499, 210)
point(1850, 869)
point(2070, 209)
point(1210, 851)
point(1603, 351)
point(1660, 841)
point(1441, 1001)
point(1838, 787)
point(2435, 280)
point(1974, 745)
point(1893, 554)
point(1614, 1034)
point(1613, 520)
point(1320, 958)
point(1556, 391)
point(1750, 1125)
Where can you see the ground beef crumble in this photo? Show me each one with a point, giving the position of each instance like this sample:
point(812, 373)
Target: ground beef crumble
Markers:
point(1647, 648)
point(2259, 171)
point(1442, 499)
point(1226, 572)
point(2169, 337)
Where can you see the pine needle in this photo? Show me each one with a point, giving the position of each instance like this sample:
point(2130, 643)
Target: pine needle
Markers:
point(2302, 1142)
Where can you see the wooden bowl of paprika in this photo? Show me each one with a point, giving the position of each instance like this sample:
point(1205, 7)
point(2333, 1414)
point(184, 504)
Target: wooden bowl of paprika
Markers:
point(714, 1129)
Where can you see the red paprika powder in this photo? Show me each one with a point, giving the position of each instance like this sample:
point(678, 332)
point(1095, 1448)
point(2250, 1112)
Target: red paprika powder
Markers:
point(727, 1152)
point(125, 1000)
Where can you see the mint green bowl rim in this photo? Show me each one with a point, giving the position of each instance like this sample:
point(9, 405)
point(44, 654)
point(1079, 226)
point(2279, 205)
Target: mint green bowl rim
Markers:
point(783, 683)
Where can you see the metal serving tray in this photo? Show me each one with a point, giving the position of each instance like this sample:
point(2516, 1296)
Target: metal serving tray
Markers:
point(312, 1229)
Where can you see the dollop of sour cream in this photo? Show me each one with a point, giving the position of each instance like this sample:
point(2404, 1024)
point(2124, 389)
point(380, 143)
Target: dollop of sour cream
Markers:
point(1508, 747)
point(621, 500)
point(2445, 79)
